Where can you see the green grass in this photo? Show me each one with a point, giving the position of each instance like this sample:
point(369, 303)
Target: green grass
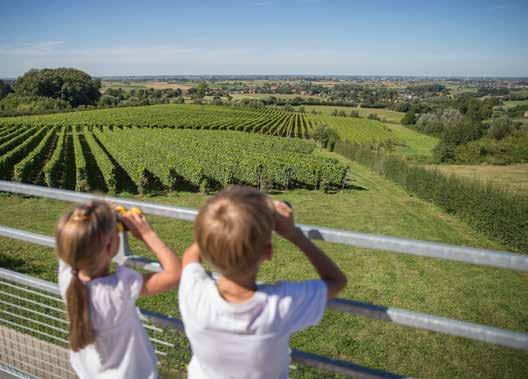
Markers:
point(414, 144)
point(385, 114)
point(477, 294)
point(514, 177)
point(359, 130)
point(507, 104)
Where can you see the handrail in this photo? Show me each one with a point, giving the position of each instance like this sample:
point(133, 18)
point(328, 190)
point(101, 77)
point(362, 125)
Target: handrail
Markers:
point(378, 312)
point(163, 321)
point(486, 257)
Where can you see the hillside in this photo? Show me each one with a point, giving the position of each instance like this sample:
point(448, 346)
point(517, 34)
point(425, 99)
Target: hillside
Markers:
point(478, 294)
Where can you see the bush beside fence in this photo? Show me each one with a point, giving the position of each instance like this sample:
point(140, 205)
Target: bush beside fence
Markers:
point(500, 214)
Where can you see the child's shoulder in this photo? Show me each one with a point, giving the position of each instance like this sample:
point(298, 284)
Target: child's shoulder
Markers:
point(294, 288)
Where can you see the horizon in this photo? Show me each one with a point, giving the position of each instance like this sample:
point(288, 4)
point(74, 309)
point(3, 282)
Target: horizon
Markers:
point(475, 39)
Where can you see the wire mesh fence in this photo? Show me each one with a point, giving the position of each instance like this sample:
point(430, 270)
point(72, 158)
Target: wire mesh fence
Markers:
point(34, 333)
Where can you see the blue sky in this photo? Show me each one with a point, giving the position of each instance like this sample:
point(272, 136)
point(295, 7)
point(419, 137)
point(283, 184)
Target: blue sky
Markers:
point(475, 38)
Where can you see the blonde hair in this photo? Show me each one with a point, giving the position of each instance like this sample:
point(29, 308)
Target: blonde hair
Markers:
point(81, 236)
point(234, 228)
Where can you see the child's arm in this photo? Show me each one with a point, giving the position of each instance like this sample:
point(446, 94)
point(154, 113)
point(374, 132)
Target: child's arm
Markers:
point(154, 283)
point(328, 271)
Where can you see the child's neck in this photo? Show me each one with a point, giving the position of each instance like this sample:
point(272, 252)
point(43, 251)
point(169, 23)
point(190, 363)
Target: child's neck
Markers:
point(85, 277)
point(237, 290)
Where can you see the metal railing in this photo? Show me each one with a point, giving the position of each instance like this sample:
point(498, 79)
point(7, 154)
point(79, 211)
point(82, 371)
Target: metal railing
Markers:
point(34, 329)
point(399, 245)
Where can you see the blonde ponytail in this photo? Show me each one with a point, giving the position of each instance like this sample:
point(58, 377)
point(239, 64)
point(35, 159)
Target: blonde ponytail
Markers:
point(81, 236)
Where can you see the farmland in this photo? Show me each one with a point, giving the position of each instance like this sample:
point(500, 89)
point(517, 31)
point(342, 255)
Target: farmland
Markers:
point(166, 153)
point(175, 146)
point(513, 177)
point(478, 294)
point(144, 159)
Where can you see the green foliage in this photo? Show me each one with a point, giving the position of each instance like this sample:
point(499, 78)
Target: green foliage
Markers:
point(81, 172)
point(499, 214)
point(185, 158)
point(373, 116)
point(409, 118)
point(435, 123)
point(52, 169)
point(5, 89)
point(261, 120)
point(14, 139)
point(26, 170)
point(104, 163)
point(14, 104)
point(509, 150)
point(68, 84)
point(19, 151)
point(501, 127)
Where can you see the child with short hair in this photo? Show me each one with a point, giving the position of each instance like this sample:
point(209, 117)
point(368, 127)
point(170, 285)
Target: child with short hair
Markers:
point(238, 328)
point(107, 339)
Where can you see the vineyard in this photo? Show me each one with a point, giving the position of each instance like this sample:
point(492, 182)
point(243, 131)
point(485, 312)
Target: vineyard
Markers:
point(267, 121)
point(144, 159)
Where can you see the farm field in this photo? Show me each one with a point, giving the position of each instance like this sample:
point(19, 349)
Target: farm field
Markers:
point(147, 84)
point(473, 293)
point(146, 149)
point(148, 159)
point(169, 152)
point(512, 177)
point(385, 114)
point(239, 96)
point(412, 143)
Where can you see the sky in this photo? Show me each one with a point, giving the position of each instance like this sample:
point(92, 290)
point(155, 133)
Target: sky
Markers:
point(318, 37)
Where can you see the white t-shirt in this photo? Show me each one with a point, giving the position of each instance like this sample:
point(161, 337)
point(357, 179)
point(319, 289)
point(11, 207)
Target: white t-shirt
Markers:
point(248, 340)
point(122, 348)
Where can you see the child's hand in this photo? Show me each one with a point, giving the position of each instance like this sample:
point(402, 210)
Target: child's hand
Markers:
point(284, 223)
point(137, 224)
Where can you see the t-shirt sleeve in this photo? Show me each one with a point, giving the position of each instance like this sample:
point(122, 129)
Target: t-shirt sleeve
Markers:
point(303, 304)
point(193, 280)
point(132, 282)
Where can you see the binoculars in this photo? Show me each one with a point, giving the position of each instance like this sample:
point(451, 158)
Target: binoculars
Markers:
point(121, 211)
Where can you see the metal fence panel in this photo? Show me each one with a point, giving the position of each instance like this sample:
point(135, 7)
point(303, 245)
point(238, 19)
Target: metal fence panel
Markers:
point(500, 259)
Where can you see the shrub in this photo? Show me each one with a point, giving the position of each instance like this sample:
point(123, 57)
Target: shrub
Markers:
point(498, 213)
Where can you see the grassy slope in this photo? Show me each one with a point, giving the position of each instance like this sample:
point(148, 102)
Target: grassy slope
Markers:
point(478, 294)
point(513, 177)
point(414, 143)
point(385, 114)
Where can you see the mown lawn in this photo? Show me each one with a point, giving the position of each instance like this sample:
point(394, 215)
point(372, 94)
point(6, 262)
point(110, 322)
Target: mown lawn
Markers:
point(414, 144)
point(472, 293)
point(513, 177)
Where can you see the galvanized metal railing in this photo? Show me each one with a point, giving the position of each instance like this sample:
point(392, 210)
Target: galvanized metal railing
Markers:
point(34, 329)
point(399, 245)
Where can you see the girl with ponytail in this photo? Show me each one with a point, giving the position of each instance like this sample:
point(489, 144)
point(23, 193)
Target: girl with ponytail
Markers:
point(107, 339)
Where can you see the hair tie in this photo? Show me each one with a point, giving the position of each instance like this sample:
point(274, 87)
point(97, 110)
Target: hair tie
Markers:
point(81, 218)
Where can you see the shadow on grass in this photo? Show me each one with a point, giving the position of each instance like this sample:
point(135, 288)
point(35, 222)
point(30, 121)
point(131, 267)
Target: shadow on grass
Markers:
point(18, 265)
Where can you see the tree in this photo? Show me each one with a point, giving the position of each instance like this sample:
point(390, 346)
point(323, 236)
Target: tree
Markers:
point(354, 114)
point(409, 118)
point(68, 84)
point(5, 89)
point(201, 89)
point(501, 128)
